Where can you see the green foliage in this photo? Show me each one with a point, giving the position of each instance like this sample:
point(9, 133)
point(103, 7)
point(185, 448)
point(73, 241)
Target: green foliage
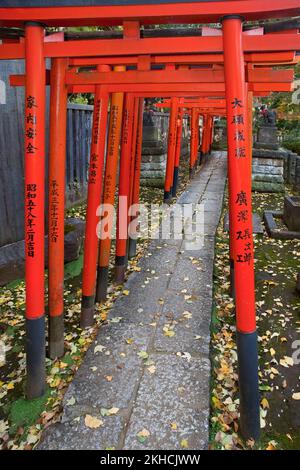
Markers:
point(25, 412)
point(293, 145)
point(81, 98)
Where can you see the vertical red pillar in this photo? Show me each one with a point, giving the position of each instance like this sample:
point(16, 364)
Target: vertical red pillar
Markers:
point(206, 136)
point(197, 157)
point(137, 173)
point(57, 175)
point(35, 208)
point(109, 190)
point(208, 133)
point(101, 100)
point(124, 189)
point(211, 137)
point(134, 146)
point(250, 122)
point(202, 147)
point(177, 151)
point(199, 142)
point(171, 149)
point(193, 140)
point(240, 207)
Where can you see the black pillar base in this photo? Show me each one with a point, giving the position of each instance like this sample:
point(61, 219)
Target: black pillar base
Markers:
point(200, 158)
point(132, 248)
point(175, 181)
point(35, 357)
point(87, 311)
point(232, 288)
point(56, 336)
point(102, 283)
point(248, 385)
point(167, 196)
point(120, 269)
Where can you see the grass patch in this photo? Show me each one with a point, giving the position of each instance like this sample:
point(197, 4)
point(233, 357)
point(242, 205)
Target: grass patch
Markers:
point(24, 413)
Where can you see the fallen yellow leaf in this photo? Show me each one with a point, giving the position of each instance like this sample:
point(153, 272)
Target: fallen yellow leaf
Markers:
point(92, 422)
point(296, 396)
point(184, 444)
point(265, 403)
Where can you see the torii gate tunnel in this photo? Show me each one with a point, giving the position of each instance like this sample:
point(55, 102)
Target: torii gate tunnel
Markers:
point(189, 67)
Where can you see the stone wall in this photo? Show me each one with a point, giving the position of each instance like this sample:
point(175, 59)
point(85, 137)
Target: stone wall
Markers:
point(268, 170)
point(271, 169)
point(273, 166)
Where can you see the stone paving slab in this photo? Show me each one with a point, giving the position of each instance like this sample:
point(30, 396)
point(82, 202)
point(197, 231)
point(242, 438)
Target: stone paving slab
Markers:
point(189, 320)
point(167, 391)
point(178, 394)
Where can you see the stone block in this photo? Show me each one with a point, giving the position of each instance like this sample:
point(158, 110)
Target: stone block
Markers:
point(153, 148)
point(264, 187)
point(146, 158)
point(268, 153)
point(153, 182)
point(268, 170)
point(267, 161)
point(291, 213)
point(267, 137)
point(291, 168)
point(267, 178)
point(297, 175)
point(151, 133)
point(152, 174)
point(12, 257)
point(153, 166)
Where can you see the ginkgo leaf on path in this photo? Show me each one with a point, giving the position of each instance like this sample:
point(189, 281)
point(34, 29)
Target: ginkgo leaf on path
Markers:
point(184, 444)
point(71, 401)
point(92, 422)
point(113, 411)
point(168, 331)
point(187, 314)
point(265, 403)
point(143, 355)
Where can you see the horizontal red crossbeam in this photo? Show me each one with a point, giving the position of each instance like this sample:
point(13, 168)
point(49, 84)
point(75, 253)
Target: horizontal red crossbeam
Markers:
point(256, 58)
point(174, 76)
point(182, 45)
point(186, 94)
point(185, 12)
point(183, 89)
point(197, 103)
point(153, 77)
point(159, 87)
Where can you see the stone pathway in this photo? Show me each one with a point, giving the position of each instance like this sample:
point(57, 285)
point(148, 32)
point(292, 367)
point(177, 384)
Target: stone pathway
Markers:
point(167, 392)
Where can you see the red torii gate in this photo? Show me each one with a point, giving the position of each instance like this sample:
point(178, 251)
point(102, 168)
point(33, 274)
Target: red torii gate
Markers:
point(234, 44)
point(205, 107)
